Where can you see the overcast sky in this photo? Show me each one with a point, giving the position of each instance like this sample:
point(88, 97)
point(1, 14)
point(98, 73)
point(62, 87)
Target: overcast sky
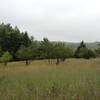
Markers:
point(64, 20)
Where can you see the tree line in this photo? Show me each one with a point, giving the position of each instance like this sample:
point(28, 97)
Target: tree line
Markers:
point(19, 46)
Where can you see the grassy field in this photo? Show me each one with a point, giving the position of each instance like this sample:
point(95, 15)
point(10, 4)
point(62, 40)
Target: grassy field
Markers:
point(75, 79)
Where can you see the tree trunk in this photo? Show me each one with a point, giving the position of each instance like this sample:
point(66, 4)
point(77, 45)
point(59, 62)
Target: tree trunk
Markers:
point(57, 63)
point(27, 62)
point(63, 59)
point(49, 61)
point(5, 63)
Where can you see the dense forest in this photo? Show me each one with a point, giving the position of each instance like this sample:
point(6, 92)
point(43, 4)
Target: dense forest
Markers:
point(19, 46)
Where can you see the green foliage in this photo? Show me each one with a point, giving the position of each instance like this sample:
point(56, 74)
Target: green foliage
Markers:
point(35, 48)
point(1, 52)
point(6, 57)
point(97, 52)
point(26, 41)
point(24, 53)
point(86, 53)
point(45, 49)
point(11, 38)
point(81, 46)
point(91, 54)
point(83, 52)
point(62, 52)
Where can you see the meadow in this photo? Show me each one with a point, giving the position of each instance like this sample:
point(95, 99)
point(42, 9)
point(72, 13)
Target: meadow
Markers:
point(74, 79)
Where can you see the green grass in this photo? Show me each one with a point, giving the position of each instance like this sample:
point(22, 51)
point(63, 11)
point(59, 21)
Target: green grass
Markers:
point(75, 79)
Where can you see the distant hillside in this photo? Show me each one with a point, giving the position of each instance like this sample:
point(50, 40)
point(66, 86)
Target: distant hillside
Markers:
point(89, 45)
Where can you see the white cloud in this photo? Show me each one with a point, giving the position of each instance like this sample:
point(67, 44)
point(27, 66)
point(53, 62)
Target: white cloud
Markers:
point(69, 20)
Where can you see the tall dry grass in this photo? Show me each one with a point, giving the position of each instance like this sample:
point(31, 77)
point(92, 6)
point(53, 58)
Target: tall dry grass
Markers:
point(74, 79)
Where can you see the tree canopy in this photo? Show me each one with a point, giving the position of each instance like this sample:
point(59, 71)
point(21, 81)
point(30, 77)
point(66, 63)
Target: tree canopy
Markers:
point(11, 38)
point(24, 53)
point(20, 46)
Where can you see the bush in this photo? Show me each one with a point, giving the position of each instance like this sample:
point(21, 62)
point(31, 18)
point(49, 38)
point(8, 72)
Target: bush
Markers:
point(6, 57)
point(86, 53)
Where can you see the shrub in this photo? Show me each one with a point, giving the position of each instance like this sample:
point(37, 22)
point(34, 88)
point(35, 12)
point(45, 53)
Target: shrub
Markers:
point(6, 57)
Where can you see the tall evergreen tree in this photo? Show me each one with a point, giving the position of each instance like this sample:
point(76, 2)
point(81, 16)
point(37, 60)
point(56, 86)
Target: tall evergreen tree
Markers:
point(26, 41)
point(82, 45)
point(11, 39)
